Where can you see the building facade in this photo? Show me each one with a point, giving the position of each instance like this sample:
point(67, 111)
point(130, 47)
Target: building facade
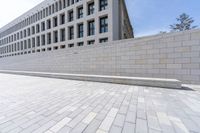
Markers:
point(61, 24)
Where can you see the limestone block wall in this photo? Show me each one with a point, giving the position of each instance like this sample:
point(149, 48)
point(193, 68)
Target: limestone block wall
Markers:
point(174, 55)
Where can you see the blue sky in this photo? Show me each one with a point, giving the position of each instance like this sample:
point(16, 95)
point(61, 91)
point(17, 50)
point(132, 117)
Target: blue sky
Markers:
point(152, 16)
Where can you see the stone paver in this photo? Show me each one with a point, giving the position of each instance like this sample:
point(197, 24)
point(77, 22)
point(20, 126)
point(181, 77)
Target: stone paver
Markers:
point(47, 105)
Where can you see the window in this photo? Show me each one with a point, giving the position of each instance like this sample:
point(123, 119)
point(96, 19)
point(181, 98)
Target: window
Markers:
point(49, 10)
point(70, 45)
point(80, 44)
point(55, 36)
point(62, 19)
point(64, 3)
point(56, 6)
point(49, 38)
point(62, 35)
point(70, 16)
point(53, 8)
point(25, 44)
point(91, 8)
point(43, 13)
point(49, 49)
point(91, 28)
point(49, 24)
point(33, 30)
point(24, 33)
point(43, 26)
point(33, 42)
point(62, 46)
point(103, 4)
point(29, 31)
point(55, 48)
point(29, 43)
point(22, 46)
point(103, 40)
point(80, 12)
point(71, 33)
point(55, 21)
point(91, 42)
point(80, 31)
point(37, 28)
point(43, 40)
point(104, 24)
point(60, 5)
point(38, 41)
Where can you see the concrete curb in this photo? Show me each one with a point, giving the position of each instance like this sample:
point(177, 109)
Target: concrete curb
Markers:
point(152, 82)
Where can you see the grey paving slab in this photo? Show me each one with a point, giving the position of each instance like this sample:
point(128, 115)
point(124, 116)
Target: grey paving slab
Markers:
point(46, 105)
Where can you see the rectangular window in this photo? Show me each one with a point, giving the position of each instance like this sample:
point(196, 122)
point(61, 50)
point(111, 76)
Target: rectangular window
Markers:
point(24, 33)
point(70, 45)
point(25, 44)
point(43, 26)
point(80, 12)
point(91, 8)
point(29, 43)
point(62, 19)
point(103, 40)
point(49, 24)
point(55, 21)
point(38, 41)
point(91, 42)
point(49, 38)
point(80, 31)
point(91, 28)
point(70, 16)
point(56, 6)
point(55, 36)
point(29, 31)
point(80, 44)
point(103, 4)
point(37, 28)
point(60, 5)
point(33, 42)
point(43, 40)
point(22, 45)
point(62, 47)
point(62, 35)
point(33, 30)
point(71, 33)
point(104, 24)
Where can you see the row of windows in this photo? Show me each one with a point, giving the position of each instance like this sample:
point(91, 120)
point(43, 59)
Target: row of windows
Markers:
point(18, 47)
point(52, 9)
point(103, 22)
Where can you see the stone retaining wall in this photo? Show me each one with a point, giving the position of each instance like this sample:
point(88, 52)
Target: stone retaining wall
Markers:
point(173, 55)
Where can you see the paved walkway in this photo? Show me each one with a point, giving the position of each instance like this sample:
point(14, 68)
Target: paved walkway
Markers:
point(45, 105)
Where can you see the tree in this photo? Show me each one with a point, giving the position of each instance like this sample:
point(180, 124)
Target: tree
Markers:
point(185, 23)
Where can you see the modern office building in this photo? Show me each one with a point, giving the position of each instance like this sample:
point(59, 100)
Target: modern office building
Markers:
point(60, 24)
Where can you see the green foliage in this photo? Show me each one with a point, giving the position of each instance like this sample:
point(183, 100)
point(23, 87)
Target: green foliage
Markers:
point(184, 23)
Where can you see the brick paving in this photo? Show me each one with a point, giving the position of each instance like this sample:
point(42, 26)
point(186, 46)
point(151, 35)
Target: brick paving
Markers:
point(45, 105)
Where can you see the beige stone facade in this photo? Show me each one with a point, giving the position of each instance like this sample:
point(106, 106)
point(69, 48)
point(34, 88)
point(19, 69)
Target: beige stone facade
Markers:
point(174, 55)
point(65, 23)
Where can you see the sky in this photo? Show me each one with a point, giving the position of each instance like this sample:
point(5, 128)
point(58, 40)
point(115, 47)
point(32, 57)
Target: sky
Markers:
point(147, 16)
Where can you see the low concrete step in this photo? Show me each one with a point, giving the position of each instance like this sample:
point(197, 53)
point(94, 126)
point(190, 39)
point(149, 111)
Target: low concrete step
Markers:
point(153, 82)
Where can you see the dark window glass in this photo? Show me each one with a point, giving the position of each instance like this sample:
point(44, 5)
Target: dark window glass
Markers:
point(103, 4)
point(70, 16)
point(62, 35)
point(91, 28)
point(80, 12)
point(80, 31)
point(104, 24)
point(91, 8)
point(71, 33)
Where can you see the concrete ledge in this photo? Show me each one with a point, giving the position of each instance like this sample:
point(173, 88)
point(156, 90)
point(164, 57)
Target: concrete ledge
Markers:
point(153, 82)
